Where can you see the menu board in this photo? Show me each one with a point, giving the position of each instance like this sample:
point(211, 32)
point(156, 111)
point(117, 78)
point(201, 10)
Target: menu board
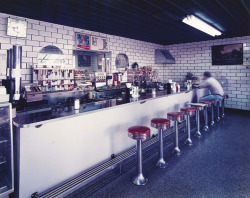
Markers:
point(82, 41)
point(99, 43)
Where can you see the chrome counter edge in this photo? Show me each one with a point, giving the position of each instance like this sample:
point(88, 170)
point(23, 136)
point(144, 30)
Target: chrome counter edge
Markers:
point(40, 123)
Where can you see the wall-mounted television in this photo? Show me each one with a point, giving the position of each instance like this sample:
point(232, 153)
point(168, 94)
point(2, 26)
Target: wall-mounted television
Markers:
point(231, 54)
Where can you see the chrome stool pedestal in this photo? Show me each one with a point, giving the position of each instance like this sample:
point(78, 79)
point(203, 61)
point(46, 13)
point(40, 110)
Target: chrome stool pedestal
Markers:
point(139, 133)
point(188, 111)
point(176, 117)
point(198, 107)
point(208, 104)
point(160, 124)
point(218, 110)
point(225, 96)
point(212, 115)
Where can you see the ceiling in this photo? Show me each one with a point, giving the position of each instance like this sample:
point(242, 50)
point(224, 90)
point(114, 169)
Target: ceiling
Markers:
point(157, 21)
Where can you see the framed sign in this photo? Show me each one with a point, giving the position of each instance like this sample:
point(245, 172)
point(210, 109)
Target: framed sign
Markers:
point(16, 28)
point(230, 54)
point(99, 43)
point(82, 41)
point(121, 61)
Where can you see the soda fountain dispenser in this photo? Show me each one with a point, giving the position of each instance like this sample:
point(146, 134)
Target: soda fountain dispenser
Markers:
point(16, 71)
point(13, 81)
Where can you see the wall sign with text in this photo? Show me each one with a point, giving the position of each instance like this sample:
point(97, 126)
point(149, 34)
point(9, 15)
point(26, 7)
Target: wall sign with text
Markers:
point(82, 41)
point(99, 43)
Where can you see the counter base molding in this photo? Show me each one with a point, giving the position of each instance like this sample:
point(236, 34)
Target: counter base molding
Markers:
point(61, 149)
point(68, 186)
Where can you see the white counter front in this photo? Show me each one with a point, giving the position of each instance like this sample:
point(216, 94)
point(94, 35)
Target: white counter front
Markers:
point(50, 153)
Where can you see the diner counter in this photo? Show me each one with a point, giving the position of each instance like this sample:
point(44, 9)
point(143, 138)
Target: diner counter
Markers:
point(67, 142)
point(39, 118)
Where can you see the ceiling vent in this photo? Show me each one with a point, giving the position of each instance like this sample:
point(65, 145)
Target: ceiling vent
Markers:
point(163, 57)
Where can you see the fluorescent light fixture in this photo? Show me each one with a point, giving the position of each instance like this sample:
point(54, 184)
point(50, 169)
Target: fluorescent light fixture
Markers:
point(201, 25)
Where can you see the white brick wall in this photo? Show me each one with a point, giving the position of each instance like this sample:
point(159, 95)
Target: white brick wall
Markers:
point(196, 58)
point(190, 57)
point(41, 34)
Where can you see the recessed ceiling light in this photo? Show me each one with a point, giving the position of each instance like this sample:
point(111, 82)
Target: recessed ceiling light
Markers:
point(201, 25)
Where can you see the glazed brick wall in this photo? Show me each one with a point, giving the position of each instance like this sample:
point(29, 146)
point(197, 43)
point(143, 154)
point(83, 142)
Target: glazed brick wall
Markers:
point(196, 58)
point(41, 34)
point(190, 57)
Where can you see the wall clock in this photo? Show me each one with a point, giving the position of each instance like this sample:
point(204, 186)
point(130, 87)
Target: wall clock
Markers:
point(16, 27)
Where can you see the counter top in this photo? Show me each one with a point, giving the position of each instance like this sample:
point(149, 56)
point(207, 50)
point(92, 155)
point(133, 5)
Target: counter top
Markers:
point(39, 118)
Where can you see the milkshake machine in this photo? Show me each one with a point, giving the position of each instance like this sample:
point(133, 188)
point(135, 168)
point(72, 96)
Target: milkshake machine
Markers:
point(117, 78)
point(13, 81)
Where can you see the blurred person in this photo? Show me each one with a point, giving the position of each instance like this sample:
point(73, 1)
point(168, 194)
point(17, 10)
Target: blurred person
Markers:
point(214, 87)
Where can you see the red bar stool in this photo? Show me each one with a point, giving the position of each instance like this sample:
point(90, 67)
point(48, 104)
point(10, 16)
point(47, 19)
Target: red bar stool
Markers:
point(188, 111)
point(198, 107)
point(176, 117)
point(139, 133)
point(208, 104)
point(160, 124)
point(225, 96)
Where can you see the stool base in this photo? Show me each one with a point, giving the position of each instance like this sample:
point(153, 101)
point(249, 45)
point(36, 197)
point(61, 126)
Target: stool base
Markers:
point(188, 142)
point(212, 123)
point(218, 119)
point(223, 115)
point(140, 180)
point(197, 134)
point(177, 151)
point(161, 163)
point(206, 128)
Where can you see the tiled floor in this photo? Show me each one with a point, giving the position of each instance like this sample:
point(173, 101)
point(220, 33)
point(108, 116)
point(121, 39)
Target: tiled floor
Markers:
point(217, 166)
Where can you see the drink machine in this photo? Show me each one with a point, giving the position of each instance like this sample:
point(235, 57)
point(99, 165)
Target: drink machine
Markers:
point(16, 70)
point(117, 78)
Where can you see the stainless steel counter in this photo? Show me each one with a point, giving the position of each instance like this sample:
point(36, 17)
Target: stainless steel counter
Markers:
point(39, 118)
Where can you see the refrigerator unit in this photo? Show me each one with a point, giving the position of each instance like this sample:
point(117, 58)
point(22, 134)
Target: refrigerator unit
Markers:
point(6, 150)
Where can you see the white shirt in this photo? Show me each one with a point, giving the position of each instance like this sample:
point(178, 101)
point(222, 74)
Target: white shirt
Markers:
point(213, 86)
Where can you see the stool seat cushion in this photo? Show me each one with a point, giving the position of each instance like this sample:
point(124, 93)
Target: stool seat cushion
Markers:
point(176, 114)
point(197, 104)
point(160, 121)
point(207, 102)
point(188, 109)
point(139, 130)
